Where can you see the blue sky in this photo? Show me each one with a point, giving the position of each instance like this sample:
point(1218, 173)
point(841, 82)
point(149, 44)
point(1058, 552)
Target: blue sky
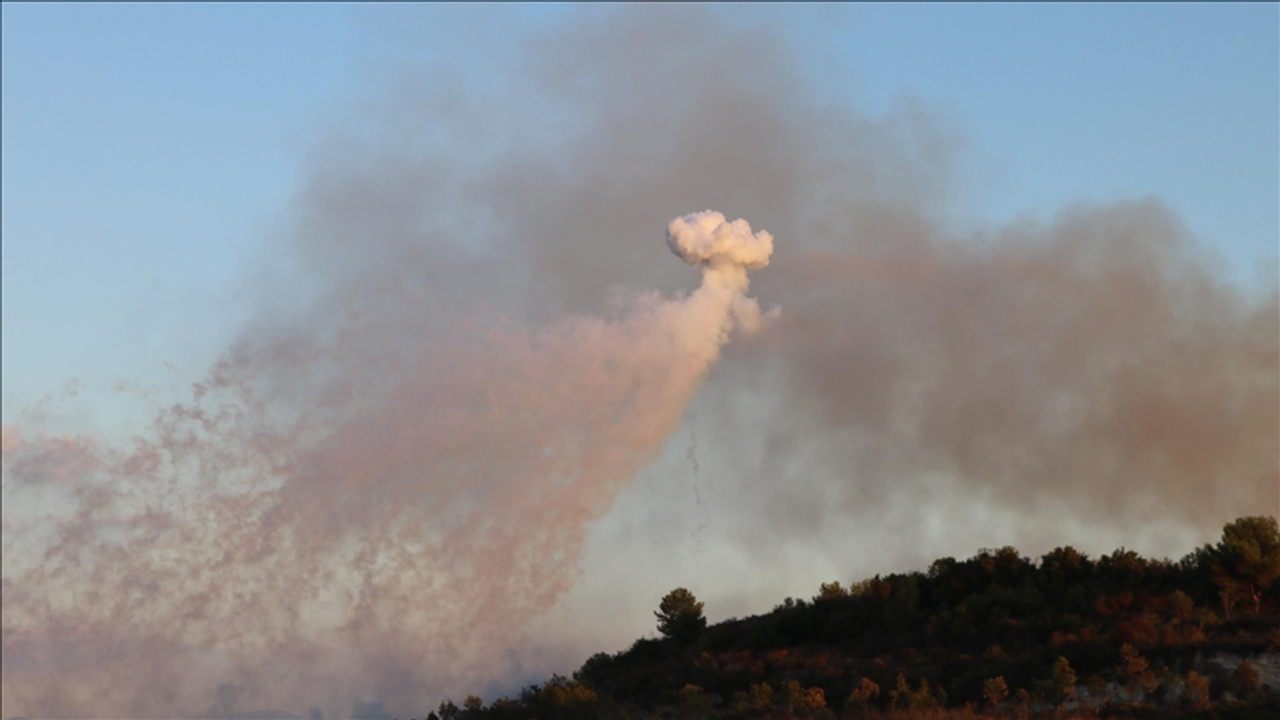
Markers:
point(148, 150)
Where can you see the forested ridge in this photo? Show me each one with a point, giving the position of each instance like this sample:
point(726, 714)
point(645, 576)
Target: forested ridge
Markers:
point(996, 635)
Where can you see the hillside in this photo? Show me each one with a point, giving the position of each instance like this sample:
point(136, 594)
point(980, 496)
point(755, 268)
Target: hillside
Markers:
point(996, 635)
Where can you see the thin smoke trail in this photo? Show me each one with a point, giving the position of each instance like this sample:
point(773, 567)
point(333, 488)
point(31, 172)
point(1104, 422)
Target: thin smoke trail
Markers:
point(692, 456)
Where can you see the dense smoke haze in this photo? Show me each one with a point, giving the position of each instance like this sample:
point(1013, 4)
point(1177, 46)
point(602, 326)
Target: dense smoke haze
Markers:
point(470, 348)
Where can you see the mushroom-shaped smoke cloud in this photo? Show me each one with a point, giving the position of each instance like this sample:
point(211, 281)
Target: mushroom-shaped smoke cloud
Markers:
point(725, 250)
point(706, 237)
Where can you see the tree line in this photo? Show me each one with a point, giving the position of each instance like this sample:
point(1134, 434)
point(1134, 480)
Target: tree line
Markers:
point(997, 634)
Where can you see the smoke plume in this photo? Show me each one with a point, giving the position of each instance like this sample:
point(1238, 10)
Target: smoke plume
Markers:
point(451, 379)
point(279, 540)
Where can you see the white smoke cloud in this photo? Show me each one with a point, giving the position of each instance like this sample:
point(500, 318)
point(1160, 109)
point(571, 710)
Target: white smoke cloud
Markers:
point(707, 237)
point(725, 250)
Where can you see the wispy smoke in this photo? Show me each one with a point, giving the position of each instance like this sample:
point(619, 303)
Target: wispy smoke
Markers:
point(385, 536)
point(1088, 366)
point(393, 472)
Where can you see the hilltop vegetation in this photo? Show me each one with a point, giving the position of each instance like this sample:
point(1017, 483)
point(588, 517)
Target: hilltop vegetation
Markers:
point(996, 635)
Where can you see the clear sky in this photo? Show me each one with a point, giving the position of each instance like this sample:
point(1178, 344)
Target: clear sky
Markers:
point(147, 149)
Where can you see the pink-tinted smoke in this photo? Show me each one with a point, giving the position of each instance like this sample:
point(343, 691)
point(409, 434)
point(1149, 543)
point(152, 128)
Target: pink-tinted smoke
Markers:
point(388, 536)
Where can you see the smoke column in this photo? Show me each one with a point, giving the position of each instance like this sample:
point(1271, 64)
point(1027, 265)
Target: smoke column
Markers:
point(278, 546)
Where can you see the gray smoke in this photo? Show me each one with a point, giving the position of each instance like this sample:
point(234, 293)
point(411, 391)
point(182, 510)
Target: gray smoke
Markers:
point(389, 479)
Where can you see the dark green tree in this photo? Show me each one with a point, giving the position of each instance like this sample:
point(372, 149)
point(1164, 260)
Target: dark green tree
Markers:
point(995, 690)
point(831, 591)
point(900, 696)
point(449, 711)
point(1062, 681)
point(1247, 560)
point(1197, 693)
point(680, 617)
point(860, 697)
point(1135, 670)
point(562, 699)
point(1244, 681)
point(1064, 576)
